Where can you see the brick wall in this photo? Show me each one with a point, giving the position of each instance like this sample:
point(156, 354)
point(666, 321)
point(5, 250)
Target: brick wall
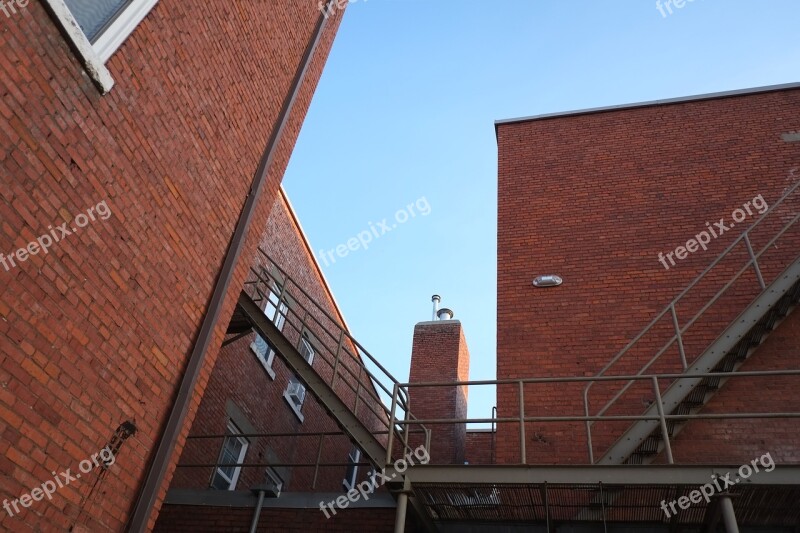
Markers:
point(99, 330)
point(439, 353)
point(480, 447)
point(594, 198)
point(189, 519)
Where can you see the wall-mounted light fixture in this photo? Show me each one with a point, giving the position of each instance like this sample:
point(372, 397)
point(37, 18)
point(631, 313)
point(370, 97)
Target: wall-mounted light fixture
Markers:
point(549, 280)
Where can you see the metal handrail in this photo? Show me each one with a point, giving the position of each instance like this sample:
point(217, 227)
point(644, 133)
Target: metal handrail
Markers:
point(288, 291)
point(670, 308)
point(327, 315)
point(661, 415)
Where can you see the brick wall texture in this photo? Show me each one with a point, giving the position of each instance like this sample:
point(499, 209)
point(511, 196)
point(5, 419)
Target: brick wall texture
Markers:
point(99, 330)
point(480, 447)
point(594, 198)
point(196, 519)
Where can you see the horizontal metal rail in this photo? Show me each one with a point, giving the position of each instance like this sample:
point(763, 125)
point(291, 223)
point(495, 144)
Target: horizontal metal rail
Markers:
point(521, 418)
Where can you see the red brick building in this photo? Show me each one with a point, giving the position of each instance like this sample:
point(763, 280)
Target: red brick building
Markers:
point(178, 119)
point(145, 237)
point(629, 206)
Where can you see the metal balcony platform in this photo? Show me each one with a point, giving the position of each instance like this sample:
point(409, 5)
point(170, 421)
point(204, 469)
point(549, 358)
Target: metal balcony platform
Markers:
point(619, 497)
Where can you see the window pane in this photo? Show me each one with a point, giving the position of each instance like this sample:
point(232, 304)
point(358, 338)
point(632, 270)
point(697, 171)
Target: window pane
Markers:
point(93, 15)
point(306, 350)
point(219, 482)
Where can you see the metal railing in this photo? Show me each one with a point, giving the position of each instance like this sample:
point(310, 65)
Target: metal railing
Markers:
point(680, 330)
point(662, 417)
point(338, 357)
point(323, 438)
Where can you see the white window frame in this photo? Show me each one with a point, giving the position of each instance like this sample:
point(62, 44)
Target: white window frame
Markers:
point(237, 470)
point(295, 393)
point(122, 27)
point(353, 458)
point(94, 56)
point(279, 319)
point(273, 476)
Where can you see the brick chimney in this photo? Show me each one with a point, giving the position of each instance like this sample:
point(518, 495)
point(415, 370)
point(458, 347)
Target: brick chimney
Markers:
point(439, 353)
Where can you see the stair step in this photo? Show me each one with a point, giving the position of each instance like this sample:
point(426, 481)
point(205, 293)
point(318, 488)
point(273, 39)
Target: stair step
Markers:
point(652, 445)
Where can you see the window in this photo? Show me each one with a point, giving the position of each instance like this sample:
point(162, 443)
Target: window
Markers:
point(295, 392)
point(107, 23)
point(94, 16)
point(97, 28)
point(271, 305)
point(273, 478)
point(233, 451)
point(264, 350)
point(351, 475)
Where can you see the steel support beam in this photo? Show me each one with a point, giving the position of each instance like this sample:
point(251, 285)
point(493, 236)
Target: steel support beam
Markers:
point(632, 475)
point(728, 515)
point(681, 388)
point(402, 507)
point(341, 413)
point(257, 512)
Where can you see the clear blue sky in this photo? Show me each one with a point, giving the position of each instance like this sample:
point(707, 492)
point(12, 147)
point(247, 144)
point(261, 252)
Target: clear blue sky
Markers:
point(406, 107)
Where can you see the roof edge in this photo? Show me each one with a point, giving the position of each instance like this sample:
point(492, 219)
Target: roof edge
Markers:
point(310, 251)
point(650, 103)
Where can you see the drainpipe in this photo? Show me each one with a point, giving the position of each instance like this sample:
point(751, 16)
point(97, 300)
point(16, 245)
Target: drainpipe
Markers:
point(148, 493)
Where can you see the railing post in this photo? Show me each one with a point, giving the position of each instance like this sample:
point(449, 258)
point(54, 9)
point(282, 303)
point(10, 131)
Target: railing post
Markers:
point(679, 335)
point(522, 423)
point(282, 290)
point(336, 363)
point(406, 427)
point(754, 260)
point(391, 426)
point(358, 389)
point(316, 465)
point(588, 425)
point(664, 429)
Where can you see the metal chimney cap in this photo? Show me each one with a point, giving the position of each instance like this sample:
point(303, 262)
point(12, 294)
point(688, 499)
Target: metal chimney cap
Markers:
point(436, 298)
point(445, 311)
point(548, 280)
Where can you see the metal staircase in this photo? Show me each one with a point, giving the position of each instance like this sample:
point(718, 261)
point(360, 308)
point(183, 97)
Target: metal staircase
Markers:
point(644, 439)
point(339, 377)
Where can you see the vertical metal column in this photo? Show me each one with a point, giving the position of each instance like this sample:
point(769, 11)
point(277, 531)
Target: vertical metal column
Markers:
point(522, 450)
point(728, 516)
point(402, 506)
point(663, 421)
point(257, 512)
